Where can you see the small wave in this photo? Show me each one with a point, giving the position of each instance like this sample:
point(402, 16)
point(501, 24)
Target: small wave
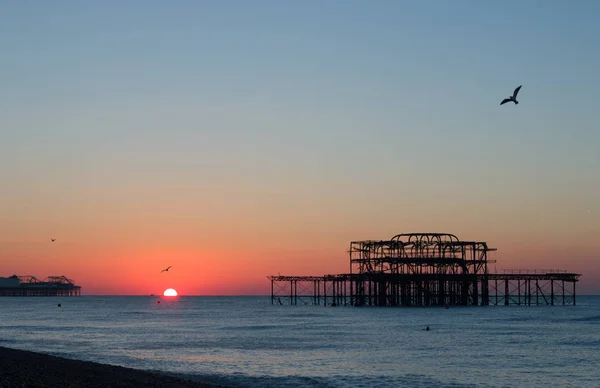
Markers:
point(136, 313)
point(513, 318)
point(306, 315)
point(41, 328)
point(241, 380)
point(249, 328)
point(595, 318)
point(581, 343)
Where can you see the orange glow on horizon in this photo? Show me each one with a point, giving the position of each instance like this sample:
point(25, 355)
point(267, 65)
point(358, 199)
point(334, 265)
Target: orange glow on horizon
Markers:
point(133, 265)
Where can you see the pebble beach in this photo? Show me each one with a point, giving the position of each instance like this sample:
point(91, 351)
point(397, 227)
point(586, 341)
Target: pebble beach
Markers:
point(23, 369)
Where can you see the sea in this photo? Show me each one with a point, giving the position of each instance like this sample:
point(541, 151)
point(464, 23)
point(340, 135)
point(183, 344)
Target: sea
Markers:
point(248, 342)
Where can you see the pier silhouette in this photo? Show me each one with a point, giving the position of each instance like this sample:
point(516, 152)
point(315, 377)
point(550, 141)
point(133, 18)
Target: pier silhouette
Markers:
point(31, 286)
point(425, 269)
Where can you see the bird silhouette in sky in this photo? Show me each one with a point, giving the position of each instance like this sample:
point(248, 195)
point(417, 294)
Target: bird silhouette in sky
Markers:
point(52, 239)
point(512, 98)
point(166, 269)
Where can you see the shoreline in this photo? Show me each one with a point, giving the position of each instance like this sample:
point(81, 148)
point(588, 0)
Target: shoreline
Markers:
point(22, 368)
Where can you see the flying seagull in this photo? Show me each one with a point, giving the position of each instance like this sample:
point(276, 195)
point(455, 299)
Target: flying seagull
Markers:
point(167, 269)
point(53, 239)
point(513, 98)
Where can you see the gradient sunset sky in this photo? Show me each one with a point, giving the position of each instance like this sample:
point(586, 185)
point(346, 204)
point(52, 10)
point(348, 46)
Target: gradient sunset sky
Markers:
point(237, 139)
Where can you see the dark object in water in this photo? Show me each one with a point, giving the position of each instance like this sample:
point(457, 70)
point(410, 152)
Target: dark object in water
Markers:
point(59, 305)
point(427, 328)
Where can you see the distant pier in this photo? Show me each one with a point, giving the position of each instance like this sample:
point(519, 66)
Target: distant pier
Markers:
point(31, 286)
point(425, 269)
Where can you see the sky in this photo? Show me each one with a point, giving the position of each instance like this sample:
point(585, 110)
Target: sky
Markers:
point(232, 140)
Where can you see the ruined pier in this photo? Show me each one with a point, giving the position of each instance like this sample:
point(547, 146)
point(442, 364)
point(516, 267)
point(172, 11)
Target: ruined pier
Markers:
point(425, 269)
point(31, 286)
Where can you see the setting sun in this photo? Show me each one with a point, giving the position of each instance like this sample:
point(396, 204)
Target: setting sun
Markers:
point(170, 292)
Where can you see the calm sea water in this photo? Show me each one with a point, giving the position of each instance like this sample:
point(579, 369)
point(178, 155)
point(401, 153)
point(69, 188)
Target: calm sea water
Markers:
point(245, 341)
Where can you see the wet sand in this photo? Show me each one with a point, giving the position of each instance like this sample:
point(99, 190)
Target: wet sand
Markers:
point(20, 368)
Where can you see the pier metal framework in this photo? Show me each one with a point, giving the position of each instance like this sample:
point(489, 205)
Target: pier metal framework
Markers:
point(51, 286)
point(527, 287)
point(424, 269)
